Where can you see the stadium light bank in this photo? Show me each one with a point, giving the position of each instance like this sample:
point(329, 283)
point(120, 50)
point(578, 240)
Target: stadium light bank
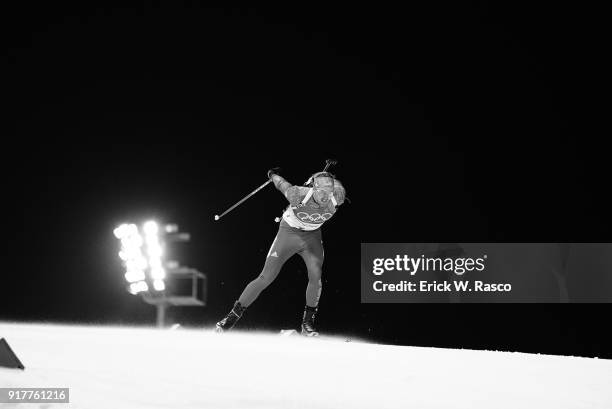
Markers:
point(148, 273)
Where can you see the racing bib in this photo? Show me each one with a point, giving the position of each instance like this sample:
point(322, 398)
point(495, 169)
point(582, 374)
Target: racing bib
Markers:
point(307, 217)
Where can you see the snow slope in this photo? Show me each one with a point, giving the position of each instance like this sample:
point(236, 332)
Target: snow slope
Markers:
point(114, 367)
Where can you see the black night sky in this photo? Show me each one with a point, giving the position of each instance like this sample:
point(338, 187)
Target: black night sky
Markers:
point(451, 122)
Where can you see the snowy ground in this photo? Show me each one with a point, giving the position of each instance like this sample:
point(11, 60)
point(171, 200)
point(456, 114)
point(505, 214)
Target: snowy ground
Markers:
point(111, 367)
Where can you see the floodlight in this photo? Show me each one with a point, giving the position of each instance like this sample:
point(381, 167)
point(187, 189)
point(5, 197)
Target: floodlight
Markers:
point(150, 228)
point(120, 231)
point(154, 250)
point(159, 285)
point(158, 273)
point(136, 264)
point(155, 263)
point(133, 276)
point(138, 287)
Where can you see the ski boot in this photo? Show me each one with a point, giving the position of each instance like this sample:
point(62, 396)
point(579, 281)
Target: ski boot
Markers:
point(231, 318)
point(308, 328)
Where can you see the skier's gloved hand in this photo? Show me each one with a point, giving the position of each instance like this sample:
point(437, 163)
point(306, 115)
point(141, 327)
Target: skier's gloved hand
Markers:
point(273, 171)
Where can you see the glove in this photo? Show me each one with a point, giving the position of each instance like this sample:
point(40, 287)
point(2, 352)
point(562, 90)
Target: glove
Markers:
point(273, 171)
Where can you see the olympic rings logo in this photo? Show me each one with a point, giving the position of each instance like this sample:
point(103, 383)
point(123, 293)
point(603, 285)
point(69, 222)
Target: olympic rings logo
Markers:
point(315, 217)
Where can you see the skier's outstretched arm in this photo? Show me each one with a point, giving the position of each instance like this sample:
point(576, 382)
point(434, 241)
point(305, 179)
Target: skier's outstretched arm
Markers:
point(291, 192)
point(279, 182)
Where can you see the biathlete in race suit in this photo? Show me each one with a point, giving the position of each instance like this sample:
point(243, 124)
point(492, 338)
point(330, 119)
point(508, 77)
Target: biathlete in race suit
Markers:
point(299, 232)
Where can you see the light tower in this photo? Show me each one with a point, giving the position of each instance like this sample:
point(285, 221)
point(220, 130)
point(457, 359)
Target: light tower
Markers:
point(159, 281)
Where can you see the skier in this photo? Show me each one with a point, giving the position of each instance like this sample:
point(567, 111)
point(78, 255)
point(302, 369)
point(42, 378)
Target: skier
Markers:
point(299, 232)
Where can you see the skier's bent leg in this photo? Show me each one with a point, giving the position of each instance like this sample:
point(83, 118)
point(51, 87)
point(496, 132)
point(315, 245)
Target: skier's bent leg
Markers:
point(284, 246)
point(314, 287)
point(251, 292)
point(313, 257)
point(313, 293)
point(255, 287)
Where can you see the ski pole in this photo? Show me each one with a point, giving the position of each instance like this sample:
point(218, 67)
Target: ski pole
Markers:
point(217, 217)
